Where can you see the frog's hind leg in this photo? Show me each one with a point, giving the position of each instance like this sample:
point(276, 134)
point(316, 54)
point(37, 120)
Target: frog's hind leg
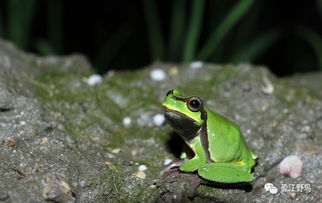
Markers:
point(225, 173)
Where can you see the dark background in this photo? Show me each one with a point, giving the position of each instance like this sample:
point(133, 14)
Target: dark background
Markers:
point(115, 34)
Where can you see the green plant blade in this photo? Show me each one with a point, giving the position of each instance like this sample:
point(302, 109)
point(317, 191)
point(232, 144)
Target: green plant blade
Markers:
point(235, 14)
point(176, 29)
point(247, 26)
point(250, 51)
point(2, 33)
point(319, 7)
point(193, 31)
point(55, 24)
point(20, 18)
point(154, 29)
point(218, 11)
point(313, 39)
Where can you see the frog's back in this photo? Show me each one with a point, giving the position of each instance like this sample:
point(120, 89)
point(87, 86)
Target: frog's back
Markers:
point(226, 142)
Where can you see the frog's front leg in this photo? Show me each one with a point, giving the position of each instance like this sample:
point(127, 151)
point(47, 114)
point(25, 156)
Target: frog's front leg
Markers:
point(225, 173)
point(192, 164)
point(198, 160)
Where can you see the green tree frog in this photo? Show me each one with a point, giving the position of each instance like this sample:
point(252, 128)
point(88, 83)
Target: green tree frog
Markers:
point(220, 151)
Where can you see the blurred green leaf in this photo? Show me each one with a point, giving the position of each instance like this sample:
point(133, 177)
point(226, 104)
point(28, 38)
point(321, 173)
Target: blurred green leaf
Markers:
point(217, 10)
point(20, 17)
point(55, 24)
point(154, 29)
point(247, 27)
point(313, 39)
point(2, 34)
point(251, 50)
point(192, 36)
point(233, 16)
point(176, 29)
point(319, 7)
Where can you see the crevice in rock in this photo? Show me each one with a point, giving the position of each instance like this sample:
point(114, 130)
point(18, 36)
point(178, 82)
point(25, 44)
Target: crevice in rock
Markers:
point(4, 109)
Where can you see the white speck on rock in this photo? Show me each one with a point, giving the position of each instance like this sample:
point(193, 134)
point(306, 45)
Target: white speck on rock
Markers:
point(82, 183)
point(134, 152)
point(306, 129)
point(158, 119)
point(140, 174)
point(119, 99)
point(173, 71)
point(94, 79)
point(167, 161)
point(196, 64)
point(142, 168)
point(43, 141)
point(127, 121)
point(116, 150)
point(157, 75)
point(267, 87)
point(292, 166)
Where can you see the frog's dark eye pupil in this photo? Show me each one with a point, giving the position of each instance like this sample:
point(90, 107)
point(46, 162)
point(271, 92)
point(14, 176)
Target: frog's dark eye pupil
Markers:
point(194, 104)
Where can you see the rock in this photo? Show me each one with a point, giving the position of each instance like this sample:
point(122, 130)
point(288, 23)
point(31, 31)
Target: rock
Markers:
point(57, 190)
point(67, 130)
point(5, 100)
point(9, 142)
point(311, 81)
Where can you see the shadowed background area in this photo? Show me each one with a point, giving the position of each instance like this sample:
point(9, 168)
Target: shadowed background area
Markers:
point(125, 34)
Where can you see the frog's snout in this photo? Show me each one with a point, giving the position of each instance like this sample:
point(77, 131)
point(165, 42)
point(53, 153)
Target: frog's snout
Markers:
point(169, 92)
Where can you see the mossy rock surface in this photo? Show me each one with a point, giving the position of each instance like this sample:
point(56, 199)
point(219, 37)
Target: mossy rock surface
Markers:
point(64, 140)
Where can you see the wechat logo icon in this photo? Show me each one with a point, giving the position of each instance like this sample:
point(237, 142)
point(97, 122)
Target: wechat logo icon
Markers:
point(269, 187)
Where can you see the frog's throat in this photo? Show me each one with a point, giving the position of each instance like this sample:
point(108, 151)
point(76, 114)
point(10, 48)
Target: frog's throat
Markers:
point(183, 125)
point(187, 128)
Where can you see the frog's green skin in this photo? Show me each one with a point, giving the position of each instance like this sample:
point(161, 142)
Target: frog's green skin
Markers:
point(220, 151)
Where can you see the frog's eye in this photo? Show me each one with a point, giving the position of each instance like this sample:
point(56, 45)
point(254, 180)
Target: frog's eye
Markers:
point(194, 104)
point(169, 92)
